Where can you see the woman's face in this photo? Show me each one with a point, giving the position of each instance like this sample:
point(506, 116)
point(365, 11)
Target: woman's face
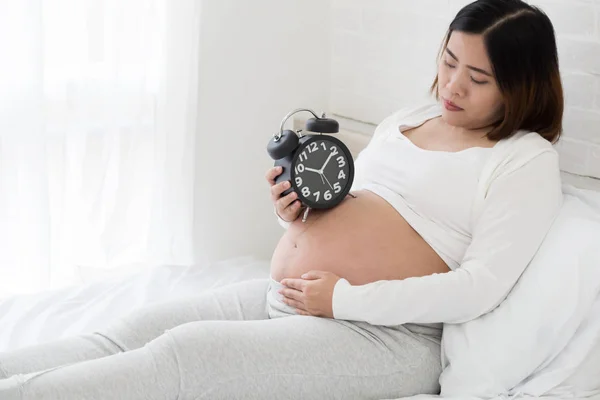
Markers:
point(467, 87)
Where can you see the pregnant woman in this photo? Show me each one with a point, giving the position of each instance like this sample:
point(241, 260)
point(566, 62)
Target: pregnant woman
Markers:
point(450, 203)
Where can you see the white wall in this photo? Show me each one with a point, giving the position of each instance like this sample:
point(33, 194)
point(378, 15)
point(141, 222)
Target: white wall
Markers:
point(384, 55)
point(259, 60)
point(257, 63)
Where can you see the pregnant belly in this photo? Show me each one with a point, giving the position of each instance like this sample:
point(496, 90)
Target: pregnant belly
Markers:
point(363, 239)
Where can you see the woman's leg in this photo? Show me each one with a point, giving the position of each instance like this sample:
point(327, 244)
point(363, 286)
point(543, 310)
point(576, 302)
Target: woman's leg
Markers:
point(239, 301)
point(295, 357)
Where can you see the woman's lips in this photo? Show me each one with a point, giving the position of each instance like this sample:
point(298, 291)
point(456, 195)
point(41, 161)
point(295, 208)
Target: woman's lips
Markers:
point(450, 106)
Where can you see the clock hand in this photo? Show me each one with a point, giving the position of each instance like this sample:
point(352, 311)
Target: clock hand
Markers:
point(318, 172)
point(326, 161)
point(312, 170)
point(323, 175)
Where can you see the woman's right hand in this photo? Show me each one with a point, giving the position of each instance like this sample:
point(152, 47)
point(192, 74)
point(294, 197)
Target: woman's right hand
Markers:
point(287, 207)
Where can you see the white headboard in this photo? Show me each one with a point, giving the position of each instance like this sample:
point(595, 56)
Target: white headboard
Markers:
point(581, 181)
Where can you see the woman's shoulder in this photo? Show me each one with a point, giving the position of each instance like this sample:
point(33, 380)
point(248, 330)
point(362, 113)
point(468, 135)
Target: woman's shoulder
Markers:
point(527, 158)
point(525, 144)
point(524, 147)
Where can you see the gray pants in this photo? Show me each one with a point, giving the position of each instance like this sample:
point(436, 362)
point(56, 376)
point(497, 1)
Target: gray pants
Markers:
point(235, 342)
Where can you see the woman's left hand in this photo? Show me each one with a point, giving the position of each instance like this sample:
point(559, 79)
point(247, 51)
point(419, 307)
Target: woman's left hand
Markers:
point(311, 295)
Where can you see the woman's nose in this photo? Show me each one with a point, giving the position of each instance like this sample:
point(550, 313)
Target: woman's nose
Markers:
point(456, 85)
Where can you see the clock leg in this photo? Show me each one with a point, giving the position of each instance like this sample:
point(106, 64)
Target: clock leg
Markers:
point(305, 214)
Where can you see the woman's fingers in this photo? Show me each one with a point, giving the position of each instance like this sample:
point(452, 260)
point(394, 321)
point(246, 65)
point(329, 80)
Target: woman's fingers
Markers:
point(287, 207)
point(285, 201)
point(273, 173)
point(289, 213)
point(276, 190)
point(292, 294)
point(298, 305)
point(297, 284)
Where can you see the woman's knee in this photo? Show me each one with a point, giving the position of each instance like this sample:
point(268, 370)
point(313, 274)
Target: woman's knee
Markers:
point(134, 329)
point(244, 300)
point(207, 347)
point(206, 354)
point(201, 336)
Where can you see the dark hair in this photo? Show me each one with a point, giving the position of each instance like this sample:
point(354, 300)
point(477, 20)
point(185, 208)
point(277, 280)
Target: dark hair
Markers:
point(521, 46)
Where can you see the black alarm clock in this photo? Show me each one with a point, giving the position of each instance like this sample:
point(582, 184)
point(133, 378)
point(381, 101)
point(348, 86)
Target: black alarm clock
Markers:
point(319, 166)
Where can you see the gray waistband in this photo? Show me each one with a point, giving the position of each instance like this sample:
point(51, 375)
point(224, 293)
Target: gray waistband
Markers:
point(277, 308)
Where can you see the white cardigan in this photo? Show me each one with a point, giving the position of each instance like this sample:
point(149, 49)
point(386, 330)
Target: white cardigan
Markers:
point(518, 198)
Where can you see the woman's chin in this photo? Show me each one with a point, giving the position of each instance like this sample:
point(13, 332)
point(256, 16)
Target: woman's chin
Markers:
point(454, 118)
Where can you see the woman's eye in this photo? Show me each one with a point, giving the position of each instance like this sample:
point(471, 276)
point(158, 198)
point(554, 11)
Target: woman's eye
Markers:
point(448, 64)
point(478, 82)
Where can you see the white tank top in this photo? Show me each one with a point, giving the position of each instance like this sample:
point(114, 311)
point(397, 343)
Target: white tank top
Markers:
point(432, 190)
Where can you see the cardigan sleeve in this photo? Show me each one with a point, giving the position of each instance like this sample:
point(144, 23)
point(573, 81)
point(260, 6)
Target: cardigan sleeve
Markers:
point(517, 213)
point(284, 224)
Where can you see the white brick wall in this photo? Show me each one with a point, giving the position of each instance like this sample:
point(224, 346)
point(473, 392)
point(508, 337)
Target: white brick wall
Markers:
point(383, 58)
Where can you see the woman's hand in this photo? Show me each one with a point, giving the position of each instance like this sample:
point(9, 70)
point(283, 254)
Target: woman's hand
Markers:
point(287, 207)
point(311, 295)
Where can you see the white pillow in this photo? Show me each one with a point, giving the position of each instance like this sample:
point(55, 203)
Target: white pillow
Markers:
point(509, 349)
point(586, 378)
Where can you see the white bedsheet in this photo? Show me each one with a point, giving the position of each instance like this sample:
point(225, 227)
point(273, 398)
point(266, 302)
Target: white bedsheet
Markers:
point(31, 319)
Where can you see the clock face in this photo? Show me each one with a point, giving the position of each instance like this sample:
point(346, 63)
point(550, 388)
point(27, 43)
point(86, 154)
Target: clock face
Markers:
point(323, 171)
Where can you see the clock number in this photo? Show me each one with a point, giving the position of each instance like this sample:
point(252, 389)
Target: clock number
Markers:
point(303, 154)
point(342, 175)
point(327, 195)
point(336, 187)
point(299, 168)
point(323, 144)
point(314, 147)
point(333, 150)
point(341, 161)
point(316, 194)
point(298, 181)
point(305, 191)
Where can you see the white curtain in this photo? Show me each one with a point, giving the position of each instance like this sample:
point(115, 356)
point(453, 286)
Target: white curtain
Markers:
point(97, 124)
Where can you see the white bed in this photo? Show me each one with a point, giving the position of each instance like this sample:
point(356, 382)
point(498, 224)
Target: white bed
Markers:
point(42, 317)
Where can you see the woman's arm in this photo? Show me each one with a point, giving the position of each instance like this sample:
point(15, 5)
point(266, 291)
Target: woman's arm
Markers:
point(517, 214)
